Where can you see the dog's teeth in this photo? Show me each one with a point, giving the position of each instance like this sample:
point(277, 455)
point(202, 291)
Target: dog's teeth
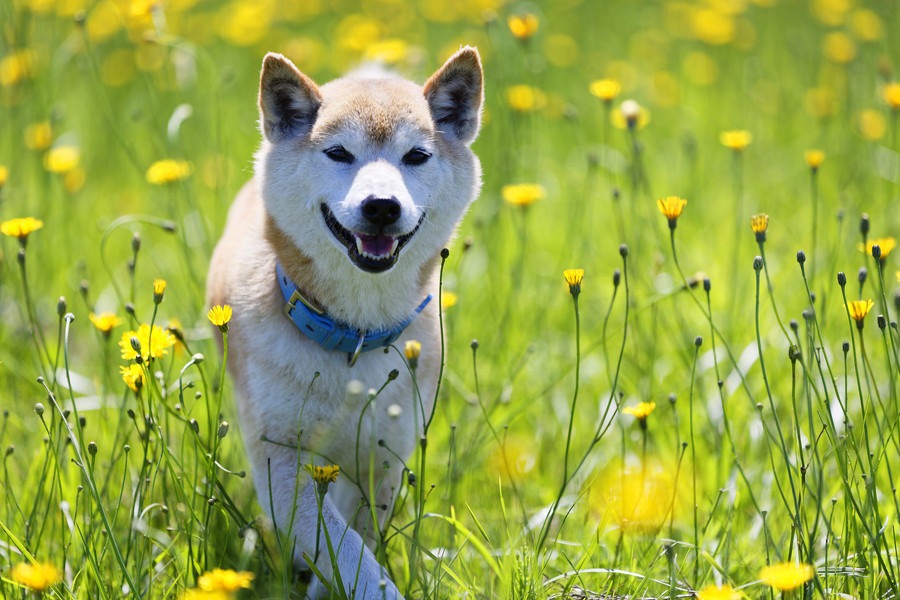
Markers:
point(394, 245)
point(359, 245)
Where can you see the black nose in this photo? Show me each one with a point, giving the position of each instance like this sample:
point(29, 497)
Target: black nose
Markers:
point(381, 211)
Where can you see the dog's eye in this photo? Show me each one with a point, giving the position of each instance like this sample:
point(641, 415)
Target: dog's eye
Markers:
point(415, 157)
point(339, 154)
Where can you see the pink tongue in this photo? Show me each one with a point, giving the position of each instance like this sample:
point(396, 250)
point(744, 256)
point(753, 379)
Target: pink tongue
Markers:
point(376, 245)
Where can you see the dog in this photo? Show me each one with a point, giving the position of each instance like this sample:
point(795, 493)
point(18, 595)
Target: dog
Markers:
point(330, 255)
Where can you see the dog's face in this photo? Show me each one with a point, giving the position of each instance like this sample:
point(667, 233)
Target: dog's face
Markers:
point(374, 171)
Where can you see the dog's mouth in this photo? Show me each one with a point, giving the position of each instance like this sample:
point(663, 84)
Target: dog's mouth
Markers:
point(372, 253)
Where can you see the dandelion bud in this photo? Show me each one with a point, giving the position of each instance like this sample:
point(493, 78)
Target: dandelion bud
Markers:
point(10, 450)
point(808, 314)
point(135, 242)
point(411, 479)
point(61, 306)
point(794, 353)
point(84, 287)
point(197, 358)
point(468, 243)
point(194, 425)
point(223, 429)
point(393, 374)
point(794, 325)
point(707, 284)
point(882, 322)
point(617, 277)
point(672, 398)
point(616, 193)
point(129, 308)
point(698, 341)
point(168, 226)
point(801, 257)
point(876, 251)
point(474, 344)
point(757, 263)
point(126, 448)
point(841, 279)
point(39, 409)
point(412, 349)
point(623, 250)
point(845, 347)
point(445, 253)
point(864, 224)
point(574, 277)
point(92, 448)
point(135, 344)
point(159, 289)
point(863, 274)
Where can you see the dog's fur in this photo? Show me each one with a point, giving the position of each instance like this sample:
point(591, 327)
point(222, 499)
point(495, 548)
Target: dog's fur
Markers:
point(295, 404)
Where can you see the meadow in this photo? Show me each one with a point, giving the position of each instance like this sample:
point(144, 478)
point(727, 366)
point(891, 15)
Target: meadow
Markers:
point(641, 397)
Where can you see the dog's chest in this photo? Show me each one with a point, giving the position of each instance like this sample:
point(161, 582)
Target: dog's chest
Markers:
point(308, 396)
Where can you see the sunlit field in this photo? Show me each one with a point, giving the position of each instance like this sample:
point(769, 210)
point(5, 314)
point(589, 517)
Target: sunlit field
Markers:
point(642, 397)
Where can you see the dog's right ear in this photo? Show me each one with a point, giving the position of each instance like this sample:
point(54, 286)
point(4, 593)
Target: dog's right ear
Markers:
point(288, 99)
point(455, 95)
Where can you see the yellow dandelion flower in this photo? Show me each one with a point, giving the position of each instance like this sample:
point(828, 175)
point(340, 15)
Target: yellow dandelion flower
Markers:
point(867, 25)
point(885, 244)
point(736, 139)
point(225, 580)
point(38, 136)
point(133, 376)
point(326, 474)
point(21, 227)
point(639, 498)
point(716, 592)
point(16, 67)
point(516, 456)
point(4, 175)
point(105, 322)
point(574, 277)
point(891, 95)
point(448, 299)
point(760, 224)
point(390, 51)
point(872, 125)
point(525, 98)
point(839, 48)
point(523, 26)
point(605, 89)
point(814, 159)
point(159, 290)
point(630, 115)
point(168, 171)
point(220, 315)
point(151, 342)
point(641, 410)
point(522, 194)
point(62, 159)
point(36, 576)
point(786, 576)
point(858, 309)
point(671, 208)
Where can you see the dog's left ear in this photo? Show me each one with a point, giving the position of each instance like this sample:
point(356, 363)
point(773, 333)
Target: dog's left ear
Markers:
point(455, 94)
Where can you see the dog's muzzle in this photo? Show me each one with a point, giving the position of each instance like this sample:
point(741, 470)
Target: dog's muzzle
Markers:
point(373, 253)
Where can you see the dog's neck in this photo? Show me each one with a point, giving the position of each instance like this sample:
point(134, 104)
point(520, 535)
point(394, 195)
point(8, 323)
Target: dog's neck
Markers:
point(366, 302)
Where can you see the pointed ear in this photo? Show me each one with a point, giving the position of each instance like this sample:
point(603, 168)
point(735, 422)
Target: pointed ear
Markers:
point(455, 94)
point(288, 99)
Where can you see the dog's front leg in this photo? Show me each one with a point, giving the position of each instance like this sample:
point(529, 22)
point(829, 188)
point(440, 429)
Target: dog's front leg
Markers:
point(354, 564)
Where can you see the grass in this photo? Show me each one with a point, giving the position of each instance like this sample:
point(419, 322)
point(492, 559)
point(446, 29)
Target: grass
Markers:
point(774, 437)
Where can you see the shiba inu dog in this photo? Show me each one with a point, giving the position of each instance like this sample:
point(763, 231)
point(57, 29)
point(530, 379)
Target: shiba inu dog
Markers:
point(330, 255)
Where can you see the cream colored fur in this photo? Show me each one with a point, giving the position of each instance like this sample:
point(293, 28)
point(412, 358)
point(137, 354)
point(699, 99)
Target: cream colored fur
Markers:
point(292, 393)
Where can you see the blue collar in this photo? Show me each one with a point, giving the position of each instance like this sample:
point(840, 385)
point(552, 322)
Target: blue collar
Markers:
point(332, 334)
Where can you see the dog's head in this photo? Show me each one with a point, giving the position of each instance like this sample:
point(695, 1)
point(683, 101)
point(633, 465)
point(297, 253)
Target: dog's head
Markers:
point(374, 170)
